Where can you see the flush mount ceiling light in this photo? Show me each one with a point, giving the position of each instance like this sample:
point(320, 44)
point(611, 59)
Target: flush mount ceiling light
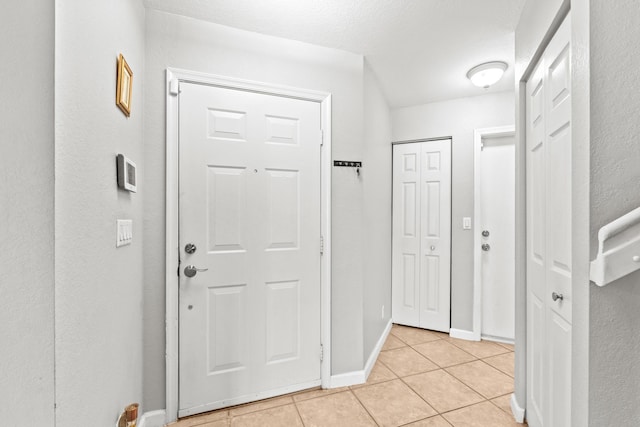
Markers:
point(484, 75)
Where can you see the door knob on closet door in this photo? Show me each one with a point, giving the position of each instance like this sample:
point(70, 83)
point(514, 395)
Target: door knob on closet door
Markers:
point(191, 270)
point(555, 296)
point(486, 247)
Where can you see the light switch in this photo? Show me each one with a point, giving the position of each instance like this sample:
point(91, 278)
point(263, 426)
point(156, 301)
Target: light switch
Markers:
point(124, 235)
point(466, 223)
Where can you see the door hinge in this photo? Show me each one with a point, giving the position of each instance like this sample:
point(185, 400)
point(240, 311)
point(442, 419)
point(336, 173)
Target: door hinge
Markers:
point(321, 352)
point(321, 245)
point(174, 87)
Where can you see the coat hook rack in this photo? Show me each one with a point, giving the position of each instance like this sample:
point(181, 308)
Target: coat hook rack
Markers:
point(348, 164)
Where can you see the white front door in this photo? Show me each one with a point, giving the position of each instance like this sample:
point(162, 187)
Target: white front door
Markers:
point(497, 223)
point(249, 202)
point(549, 299)
point(421, 247)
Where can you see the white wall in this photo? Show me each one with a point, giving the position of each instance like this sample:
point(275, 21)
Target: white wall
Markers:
point(26, 214)
point(614, 355)
point(98, 291)
point(457, 118)
point(376, 178)
point(180, 42)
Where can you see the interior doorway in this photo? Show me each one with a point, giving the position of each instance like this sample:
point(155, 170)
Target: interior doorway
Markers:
point(494, 234)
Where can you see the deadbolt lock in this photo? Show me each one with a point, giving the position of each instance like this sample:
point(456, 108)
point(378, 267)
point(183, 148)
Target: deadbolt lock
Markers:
point(190, 248)
point(485, 233)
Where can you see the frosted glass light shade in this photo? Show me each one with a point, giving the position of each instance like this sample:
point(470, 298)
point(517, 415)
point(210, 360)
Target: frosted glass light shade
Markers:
point(487, 74)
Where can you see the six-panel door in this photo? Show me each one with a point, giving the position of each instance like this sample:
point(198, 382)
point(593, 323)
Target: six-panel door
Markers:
point(250, 202)
point(549, 270)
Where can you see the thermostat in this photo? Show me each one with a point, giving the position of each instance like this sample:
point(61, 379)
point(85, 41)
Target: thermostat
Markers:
point(127, 173)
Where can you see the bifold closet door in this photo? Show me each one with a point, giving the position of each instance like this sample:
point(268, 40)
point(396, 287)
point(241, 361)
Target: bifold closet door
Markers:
point(421, 252)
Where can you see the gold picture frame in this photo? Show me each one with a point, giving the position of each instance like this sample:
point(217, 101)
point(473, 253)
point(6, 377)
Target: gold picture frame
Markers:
point(124, 86)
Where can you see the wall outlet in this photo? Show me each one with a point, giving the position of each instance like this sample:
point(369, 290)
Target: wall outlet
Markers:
point(382, 313)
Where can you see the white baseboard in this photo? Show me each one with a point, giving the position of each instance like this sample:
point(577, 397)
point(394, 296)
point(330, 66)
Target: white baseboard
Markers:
point(463, 335)
point(517, 410)
point(376, 350)
point(153, 419)
point(360, 377)
point(348, 378)
point(498, 339)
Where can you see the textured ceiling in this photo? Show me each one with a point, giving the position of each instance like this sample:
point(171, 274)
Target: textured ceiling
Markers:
point(420, 50)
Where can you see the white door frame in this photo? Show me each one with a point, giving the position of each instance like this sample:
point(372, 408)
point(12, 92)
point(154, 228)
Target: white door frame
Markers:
point(478, 134)
point(173, 78)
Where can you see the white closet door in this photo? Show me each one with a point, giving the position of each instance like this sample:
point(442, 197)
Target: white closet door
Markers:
point(558, 137)
point(435, 250)
point(406, 234)
point(422, 234)
point(548, 150)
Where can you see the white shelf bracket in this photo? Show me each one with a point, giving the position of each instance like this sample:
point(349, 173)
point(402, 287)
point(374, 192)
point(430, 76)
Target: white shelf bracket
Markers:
point(618, 249)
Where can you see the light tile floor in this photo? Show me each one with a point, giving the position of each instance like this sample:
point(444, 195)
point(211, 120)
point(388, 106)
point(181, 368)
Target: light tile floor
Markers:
point(422, 378)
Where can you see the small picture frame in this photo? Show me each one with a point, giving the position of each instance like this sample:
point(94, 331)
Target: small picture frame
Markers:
point(124, 86)
point(127, 173)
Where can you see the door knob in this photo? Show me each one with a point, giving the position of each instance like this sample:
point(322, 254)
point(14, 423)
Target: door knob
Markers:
point(556, 296)
point(485, 233)
point(486, 247)
point(191, 270)
point(433, 248)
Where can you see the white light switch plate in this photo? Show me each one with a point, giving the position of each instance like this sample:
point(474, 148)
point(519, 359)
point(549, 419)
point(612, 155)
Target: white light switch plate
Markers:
point(124, 234)
point(466, 223)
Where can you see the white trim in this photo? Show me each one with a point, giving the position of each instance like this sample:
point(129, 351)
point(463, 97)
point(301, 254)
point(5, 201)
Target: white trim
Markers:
point(172, 250)
point(516, 409)
point(376, 350)
point(360, 377)
point(348, 378)
point(497, 339)
point(463, 335)
point(152, 419)
point(478, 134)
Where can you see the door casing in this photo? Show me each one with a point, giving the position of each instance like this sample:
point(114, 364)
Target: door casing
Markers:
point(173, 77)
point(478, 134)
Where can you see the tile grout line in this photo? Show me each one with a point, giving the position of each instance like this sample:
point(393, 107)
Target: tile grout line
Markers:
point(365, 408)
point(295, 405)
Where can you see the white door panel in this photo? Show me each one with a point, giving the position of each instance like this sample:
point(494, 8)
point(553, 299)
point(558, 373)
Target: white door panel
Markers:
point(250, 201)
point(435, 212)
point(406, 234)
point(559, 343)
point(548, 151)
point(421, 234)
point(497, 217)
